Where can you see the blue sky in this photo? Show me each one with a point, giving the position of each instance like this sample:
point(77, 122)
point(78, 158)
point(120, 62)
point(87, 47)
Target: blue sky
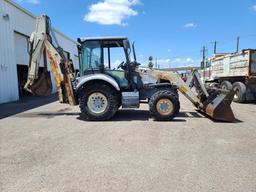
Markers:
point(172, 31)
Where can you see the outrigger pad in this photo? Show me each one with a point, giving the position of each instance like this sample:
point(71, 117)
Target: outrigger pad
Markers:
point(219, 106)
point(43, 85)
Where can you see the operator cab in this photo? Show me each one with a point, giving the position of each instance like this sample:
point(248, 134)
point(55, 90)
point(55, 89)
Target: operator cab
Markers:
point(108, 55)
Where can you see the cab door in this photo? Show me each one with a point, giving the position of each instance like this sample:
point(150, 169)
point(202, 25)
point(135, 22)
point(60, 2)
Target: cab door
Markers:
point(113, 57)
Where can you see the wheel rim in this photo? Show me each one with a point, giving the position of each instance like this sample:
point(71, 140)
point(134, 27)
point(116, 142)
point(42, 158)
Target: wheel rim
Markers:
point(224, 87)
point(236, 96)
point(97, 102)
point(164, 107)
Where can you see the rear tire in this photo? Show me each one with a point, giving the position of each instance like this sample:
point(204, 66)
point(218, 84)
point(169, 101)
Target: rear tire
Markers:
point(98, 102)
point(240, 92)
point(164, 105)
point(226, 85)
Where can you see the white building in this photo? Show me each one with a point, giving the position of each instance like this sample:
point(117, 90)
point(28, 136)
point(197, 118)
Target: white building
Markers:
point(16, 25)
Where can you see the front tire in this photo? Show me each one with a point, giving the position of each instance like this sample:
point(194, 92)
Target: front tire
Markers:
point(164, 105)
point(98, 102)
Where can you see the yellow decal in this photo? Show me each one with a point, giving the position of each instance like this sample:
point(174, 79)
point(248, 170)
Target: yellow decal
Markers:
point(183, 89)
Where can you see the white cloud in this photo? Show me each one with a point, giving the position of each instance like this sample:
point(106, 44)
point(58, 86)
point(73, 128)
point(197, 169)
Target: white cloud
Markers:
point(111, 12)
point(31, 1)
point(177, 62)
point(189, 60)
point(141, 56)
point(253, 7)
point(169, 50)
point(190, 25)
point(164, 61)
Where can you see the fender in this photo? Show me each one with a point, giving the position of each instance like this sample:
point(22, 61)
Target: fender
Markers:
point(102, 77)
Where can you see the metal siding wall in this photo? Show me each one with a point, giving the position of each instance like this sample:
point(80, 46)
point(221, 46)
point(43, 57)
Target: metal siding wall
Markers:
point(76, 62)
point(253, 63)
point(68, 46)
point(9, 55)
point(8, 72)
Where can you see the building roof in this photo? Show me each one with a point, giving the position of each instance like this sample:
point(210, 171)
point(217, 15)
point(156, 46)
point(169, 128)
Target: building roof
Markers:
point(33, 16)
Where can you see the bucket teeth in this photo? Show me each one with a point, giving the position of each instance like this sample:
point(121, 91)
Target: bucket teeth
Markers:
point(219, 106)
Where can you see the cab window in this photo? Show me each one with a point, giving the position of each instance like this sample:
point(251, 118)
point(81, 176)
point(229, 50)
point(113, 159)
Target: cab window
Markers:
point(113, 56)
point(90, 56)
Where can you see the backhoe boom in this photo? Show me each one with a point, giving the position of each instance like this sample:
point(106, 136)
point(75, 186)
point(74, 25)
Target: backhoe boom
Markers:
point(62, 68)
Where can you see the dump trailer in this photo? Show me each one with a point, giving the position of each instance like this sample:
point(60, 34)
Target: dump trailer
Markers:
point(235, 71)
point(100, 88)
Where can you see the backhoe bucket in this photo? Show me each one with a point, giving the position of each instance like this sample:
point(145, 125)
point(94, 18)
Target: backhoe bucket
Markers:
point(218, 106)
point(43, 85)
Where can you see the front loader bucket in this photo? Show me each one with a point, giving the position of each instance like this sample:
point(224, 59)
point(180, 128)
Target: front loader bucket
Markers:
point(218, 106)
point(43, 85)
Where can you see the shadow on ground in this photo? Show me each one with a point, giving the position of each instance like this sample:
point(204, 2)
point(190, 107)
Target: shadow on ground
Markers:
point(121, 115)
point(144, 115)
point(26, 103)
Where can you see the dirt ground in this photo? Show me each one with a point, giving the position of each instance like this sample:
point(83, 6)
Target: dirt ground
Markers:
point(50, 149)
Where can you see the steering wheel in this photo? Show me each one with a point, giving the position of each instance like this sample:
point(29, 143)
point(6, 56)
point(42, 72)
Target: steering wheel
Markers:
point(120, 65)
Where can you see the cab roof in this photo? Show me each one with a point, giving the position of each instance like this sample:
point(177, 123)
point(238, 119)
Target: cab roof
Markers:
point(106, 38)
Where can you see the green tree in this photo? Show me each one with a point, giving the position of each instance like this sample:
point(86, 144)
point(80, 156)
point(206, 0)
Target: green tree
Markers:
point(150, 62)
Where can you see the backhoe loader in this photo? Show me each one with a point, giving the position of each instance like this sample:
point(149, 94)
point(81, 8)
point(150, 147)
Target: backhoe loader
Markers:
point(100, 90)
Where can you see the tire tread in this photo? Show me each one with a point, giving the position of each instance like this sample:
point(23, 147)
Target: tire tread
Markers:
point(174, 97)
point(112, 96)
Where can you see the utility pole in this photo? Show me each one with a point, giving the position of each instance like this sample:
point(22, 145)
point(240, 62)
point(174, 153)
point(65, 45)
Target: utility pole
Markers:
point(215, 47)
point(237, 44)
point(203, 51)
point(203, 63)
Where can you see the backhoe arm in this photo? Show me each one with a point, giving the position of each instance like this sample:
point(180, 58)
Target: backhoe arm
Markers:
point(62, 68)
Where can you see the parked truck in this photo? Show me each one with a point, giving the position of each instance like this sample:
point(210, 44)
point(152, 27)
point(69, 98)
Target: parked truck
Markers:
point(235, 71)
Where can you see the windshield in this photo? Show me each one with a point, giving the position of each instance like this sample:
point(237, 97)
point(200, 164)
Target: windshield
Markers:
point(90, 57)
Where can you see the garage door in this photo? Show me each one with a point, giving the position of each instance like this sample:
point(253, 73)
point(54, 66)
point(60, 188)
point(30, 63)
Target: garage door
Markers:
point(21, 54)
